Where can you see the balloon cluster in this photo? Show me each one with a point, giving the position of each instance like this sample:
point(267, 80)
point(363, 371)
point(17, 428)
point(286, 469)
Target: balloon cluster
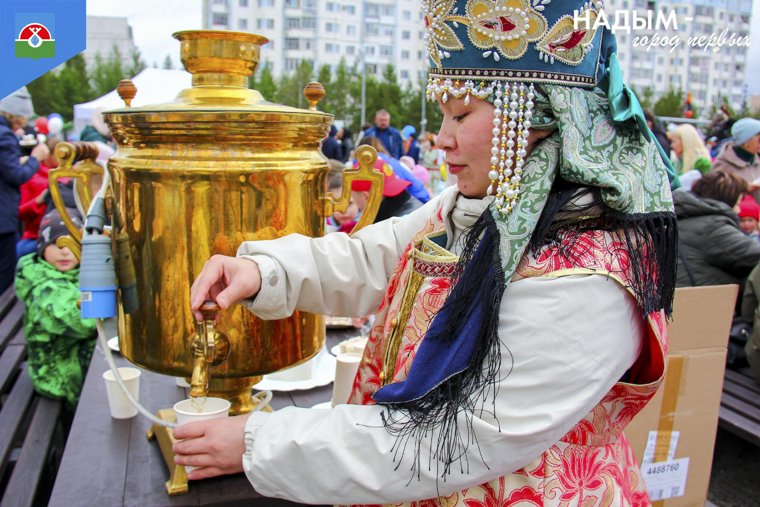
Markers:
point(54, 124)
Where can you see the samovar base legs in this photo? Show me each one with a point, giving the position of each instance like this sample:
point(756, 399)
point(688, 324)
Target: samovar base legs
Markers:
point(177, 483)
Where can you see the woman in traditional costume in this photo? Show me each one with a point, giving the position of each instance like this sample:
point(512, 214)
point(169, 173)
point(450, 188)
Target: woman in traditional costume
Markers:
point(520, 315)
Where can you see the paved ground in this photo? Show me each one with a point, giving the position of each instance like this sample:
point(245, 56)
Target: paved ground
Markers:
point(735, 478)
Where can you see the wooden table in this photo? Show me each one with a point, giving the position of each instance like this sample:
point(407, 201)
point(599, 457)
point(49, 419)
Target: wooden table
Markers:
point(110, 462)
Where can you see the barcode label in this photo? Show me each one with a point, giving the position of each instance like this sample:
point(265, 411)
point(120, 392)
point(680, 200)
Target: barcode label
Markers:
point(666, 479)
point(85, 296)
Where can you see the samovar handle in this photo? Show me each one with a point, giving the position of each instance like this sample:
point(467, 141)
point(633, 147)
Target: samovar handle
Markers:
point(366, 156)
point(83, 155)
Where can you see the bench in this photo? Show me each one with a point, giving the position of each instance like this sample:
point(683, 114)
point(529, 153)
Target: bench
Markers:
point(740, 405)
point(31, 433)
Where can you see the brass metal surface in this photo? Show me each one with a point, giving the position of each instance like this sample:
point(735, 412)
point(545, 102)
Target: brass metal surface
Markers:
point(197, 177)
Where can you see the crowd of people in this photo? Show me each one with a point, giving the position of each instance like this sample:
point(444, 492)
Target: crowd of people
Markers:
point(718, 214)
point(46, 276)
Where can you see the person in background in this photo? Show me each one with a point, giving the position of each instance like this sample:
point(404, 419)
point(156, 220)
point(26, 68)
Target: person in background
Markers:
point(387, 163)
point(15, 170)
point(340, 221)
point(330, 146)
point(742, 155)
point(658, 130)
point(346, 144)
point(720, 127)
point(389, 137)
point(692, 157)
point(749, 216)
point(59, 341)
point(398, 199)
point(97, 130)
point(418, 171)
point(750, 313)
point(33, 202)
point(713, 250)
point(411, 147)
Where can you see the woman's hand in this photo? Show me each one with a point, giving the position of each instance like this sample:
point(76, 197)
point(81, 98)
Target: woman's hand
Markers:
point(215, 446)
point(226, 280)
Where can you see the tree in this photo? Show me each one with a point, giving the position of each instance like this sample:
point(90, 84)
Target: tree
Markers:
point(58, 90)
point(168, 64)
point(263, 82)
point(107, 72)
point(647, 97)
point(137, 64)
point(343, 102)
point(74, 85)
point(389, 95)
point(324, 77)
point(46, 94)
point(670, 104)
point(290, 88)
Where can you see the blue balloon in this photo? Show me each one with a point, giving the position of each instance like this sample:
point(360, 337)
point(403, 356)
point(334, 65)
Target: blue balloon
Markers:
point(54, 115)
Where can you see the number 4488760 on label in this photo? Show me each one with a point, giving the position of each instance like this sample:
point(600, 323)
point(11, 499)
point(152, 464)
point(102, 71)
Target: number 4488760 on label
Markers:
point(665, 479)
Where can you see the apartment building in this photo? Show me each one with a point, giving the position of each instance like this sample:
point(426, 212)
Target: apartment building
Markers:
point(103, 34)
point(387, 31)
point(709, 73)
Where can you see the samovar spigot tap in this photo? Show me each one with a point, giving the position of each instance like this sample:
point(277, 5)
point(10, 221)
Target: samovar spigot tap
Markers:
point(209, 347)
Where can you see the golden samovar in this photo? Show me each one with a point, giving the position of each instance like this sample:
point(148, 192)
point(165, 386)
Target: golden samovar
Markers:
point(198, 176)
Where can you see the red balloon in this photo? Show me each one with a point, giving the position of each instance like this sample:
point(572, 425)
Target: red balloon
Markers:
point(41, 125)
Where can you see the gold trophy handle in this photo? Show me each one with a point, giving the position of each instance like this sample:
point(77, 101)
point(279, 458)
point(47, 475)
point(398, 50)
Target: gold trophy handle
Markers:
point(83, 155)
point(366, 156)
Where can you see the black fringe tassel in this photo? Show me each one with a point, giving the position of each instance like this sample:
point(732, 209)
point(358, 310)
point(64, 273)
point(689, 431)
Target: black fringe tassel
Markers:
point(479, 281)
point(650, 246)
point(650, 242)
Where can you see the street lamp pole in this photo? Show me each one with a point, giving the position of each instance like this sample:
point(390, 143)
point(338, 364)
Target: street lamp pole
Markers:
point(363, 69)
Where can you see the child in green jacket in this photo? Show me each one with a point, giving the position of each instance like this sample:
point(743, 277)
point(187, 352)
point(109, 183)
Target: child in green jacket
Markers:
point(59, 341)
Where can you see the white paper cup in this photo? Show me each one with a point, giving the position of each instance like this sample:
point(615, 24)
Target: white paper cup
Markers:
point(213, 408)
point(346, 366)
point(121, 407)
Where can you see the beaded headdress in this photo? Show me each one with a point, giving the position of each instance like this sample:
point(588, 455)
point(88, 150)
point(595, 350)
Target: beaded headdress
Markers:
point(509, 45)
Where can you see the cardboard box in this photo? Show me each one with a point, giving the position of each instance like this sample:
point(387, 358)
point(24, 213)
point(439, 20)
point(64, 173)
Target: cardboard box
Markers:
point(674, 435)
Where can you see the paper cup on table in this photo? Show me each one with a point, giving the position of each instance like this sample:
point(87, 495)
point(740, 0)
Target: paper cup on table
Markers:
point(346, 366)
point(190, 410)
point(212, 408)
point(121, 407)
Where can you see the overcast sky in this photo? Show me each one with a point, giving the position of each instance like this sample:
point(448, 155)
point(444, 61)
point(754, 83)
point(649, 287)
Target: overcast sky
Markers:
point(154, 21)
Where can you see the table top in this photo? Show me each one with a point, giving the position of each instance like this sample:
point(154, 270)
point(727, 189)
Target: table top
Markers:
point(110, 462)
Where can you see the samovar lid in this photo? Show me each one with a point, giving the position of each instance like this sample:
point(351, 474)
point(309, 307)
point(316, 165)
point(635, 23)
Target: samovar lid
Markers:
point(220, 62)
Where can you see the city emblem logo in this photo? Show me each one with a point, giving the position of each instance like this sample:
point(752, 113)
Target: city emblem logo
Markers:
point(35, 39)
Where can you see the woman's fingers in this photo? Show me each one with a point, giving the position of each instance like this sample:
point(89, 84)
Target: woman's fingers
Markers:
point(215, 444)
point(225, 280)
point(205, 473)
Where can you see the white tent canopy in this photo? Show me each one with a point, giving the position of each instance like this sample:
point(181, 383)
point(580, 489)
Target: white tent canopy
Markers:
point(154, 86)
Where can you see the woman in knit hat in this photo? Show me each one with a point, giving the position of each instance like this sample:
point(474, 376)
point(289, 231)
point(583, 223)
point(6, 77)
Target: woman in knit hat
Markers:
point(15, 170)
point(520, 314)
point(742, 155)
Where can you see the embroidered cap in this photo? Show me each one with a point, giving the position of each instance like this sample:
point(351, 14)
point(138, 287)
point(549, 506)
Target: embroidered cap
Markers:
point(472, 43)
